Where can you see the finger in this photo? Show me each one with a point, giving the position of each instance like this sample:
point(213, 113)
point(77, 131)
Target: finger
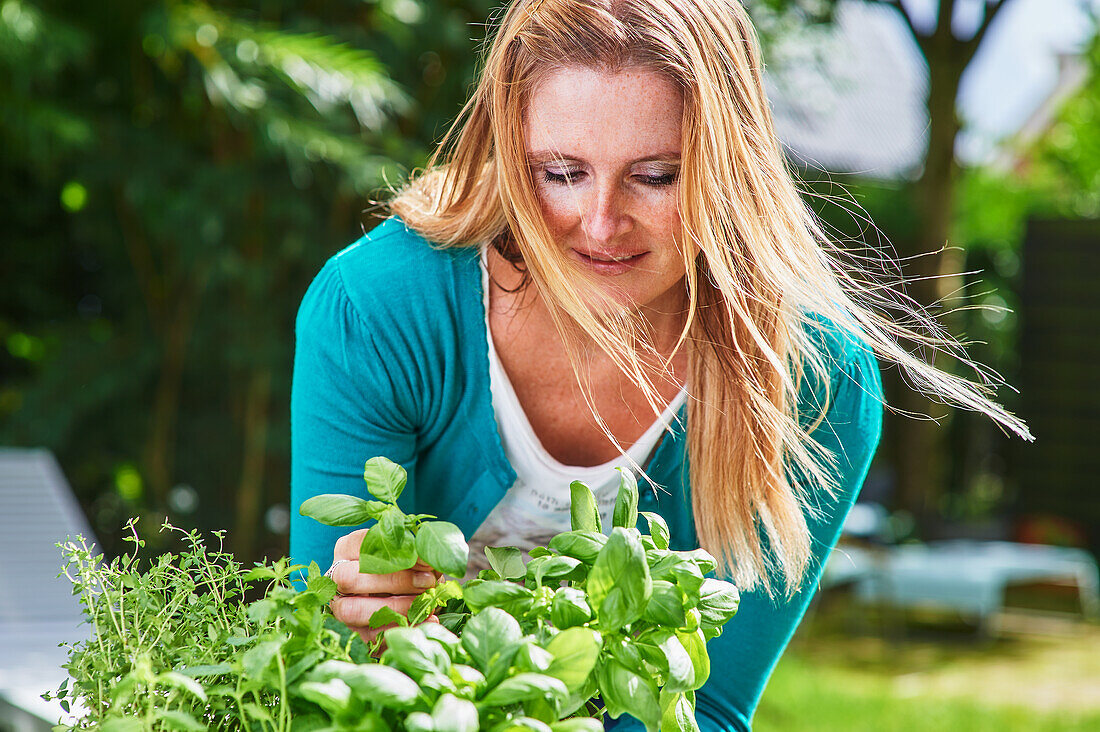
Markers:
point(356, 610)
point(350, 581)
point(368, 634)
point(347, 546)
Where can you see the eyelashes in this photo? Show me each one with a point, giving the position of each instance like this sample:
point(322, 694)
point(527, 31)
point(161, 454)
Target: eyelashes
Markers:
point(571, 177)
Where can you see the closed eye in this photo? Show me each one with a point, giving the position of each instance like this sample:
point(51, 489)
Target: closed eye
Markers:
point(564, 177)
point(658, 180)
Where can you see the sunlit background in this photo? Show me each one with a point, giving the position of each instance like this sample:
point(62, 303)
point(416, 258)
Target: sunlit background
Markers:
point(175, 173)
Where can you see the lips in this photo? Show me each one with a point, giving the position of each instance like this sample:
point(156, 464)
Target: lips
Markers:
point(609, 263)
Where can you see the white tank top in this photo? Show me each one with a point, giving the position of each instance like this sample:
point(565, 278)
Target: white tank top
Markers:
point(536, 507)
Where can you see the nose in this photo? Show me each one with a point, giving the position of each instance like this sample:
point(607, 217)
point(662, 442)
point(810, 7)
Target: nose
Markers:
point(605, 217)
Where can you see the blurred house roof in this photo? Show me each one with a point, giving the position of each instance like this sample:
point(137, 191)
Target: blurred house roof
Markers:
point(849, 98)
point(37, 609)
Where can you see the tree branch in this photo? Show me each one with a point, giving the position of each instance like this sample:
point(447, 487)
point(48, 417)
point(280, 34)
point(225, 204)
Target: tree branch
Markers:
point(992, 8)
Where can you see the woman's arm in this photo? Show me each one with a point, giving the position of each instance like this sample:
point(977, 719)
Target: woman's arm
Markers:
point(344, 408)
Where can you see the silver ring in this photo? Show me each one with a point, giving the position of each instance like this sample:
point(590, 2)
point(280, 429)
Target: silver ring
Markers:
point(332, 569)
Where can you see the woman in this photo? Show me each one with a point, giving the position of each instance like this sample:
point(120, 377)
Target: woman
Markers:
point(606, 263)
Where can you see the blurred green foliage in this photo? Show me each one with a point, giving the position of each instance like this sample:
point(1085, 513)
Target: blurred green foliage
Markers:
point(175, 173)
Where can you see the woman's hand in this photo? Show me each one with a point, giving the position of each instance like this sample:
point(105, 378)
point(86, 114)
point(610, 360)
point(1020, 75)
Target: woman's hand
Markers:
point(361, 595)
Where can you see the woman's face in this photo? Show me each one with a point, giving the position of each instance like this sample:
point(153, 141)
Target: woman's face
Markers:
point(604, 152)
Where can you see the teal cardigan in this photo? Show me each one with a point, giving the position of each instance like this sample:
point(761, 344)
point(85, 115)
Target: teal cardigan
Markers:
point(392, 359)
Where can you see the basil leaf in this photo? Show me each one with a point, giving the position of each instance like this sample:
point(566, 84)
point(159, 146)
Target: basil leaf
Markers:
point(489, 636)
point(532, 657)
point(442, 545)
point(373, 682)
point(481, 594)
point(558, 566)
point(334, 696)
point(677, 713)
point(569, 608)
point(666, 605)
point(626, 691)
point(525, 686)
point(410, 650)
point(658, 529)
point(696, 647)
point(584, 514)
point(575, 652)
point(626, 503)
point(702, 558)
point(681, 667)
point(388, 545)
point(386, 615)
point(619, 584)
point(385, 479)
point(577, 724)
point(506, 561)
point(337, 509)
point(452, 714)
point(582, 545)
point(718, 601)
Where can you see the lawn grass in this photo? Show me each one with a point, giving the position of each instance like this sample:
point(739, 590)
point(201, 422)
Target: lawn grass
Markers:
point(834, 680)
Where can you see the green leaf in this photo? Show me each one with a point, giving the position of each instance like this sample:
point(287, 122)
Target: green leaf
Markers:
point(532, 657)
point(718, 601)
point(334, 696)
point(211, 669)
point(419, 722)
point(177, 719)
point(619, 584)
point(575, 651)
point(452, 714)
point(569, 608)
point(548, 567)
point(677, 713)
point(666, 605)
point(338, 509)
point(442, 545)
point(696, 646)
point(122, 724)
point(577, 724)
point(386, 615)
point(584, 514)
point(388, 545)
point(489, 636)
point(410, 650)
point(624, 690)
point(506, 561)
point(658, 529)
point(445, 638)
point(680, 665)
point(522, 724)
point(258, 659)
point(514, 598)
point(180, 681)
point(626, 502)
point(582, 545)
point(385, 479)
point(701, 557)
point(525, 686)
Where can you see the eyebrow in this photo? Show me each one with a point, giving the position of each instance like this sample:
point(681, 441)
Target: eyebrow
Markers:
point(549, 156)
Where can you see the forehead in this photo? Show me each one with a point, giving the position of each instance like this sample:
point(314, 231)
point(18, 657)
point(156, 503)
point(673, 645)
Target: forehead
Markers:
point(579, 111)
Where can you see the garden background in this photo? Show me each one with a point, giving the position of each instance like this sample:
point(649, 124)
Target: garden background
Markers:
point(175, 173)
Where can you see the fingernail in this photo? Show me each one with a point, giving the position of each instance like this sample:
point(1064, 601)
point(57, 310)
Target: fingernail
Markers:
point(423, 580)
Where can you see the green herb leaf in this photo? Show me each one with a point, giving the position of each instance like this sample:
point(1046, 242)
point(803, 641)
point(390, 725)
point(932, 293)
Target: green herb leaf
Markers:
point(547, 567)
point(569, 608)
point(658, 529)
point(696, 646)
point(525, 686)
point(489, 636)
point(334, 696)
point(442, 545)
point(337, 509)
point(619, 584)
point(718, 601)
point(388, 545)
point(626, 503)
point(678, 664)
point(624, 690)
point(410, 650)
point(452, 714)
point(582, 545)
point(481, 594)
point(506, 561)
point(373, 682)
point(677, 713)
point(385, 479)
point(584, 514)
point(177, 719)
point(386, 615)
point(577, 724)
point(666, 605)
point(575, 651)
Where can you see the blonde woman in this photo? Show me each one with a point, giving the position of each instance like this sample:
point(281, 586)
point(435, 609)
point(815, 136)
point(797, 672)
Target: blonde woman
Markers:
point(606, 264)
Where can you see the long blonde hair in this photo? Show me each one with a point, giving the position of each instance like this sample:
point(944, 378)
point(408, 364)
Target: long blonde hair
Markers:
point(759, 278)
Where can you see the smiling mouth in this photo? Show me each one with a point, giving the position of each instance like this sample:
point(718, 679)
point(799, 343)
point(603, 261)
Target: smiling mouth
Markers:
point(598, 257)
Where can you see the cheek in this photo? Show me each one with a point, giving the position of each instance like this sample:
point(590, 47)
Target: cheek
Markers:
point(559, 209)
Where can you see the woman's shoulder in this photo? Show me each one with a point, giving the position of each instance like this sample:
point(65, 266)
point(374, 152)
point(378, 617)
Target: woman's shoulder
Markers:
point(847, 380)
point(394, 264)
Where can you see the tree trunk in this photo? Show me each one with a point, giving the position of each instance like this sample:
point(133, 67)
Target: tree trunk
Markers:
point(934, 274)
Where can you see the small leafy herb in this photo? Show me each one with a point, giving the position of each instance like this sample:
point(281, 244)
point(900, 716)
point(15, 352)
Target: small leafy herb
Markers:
point(592, 624)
